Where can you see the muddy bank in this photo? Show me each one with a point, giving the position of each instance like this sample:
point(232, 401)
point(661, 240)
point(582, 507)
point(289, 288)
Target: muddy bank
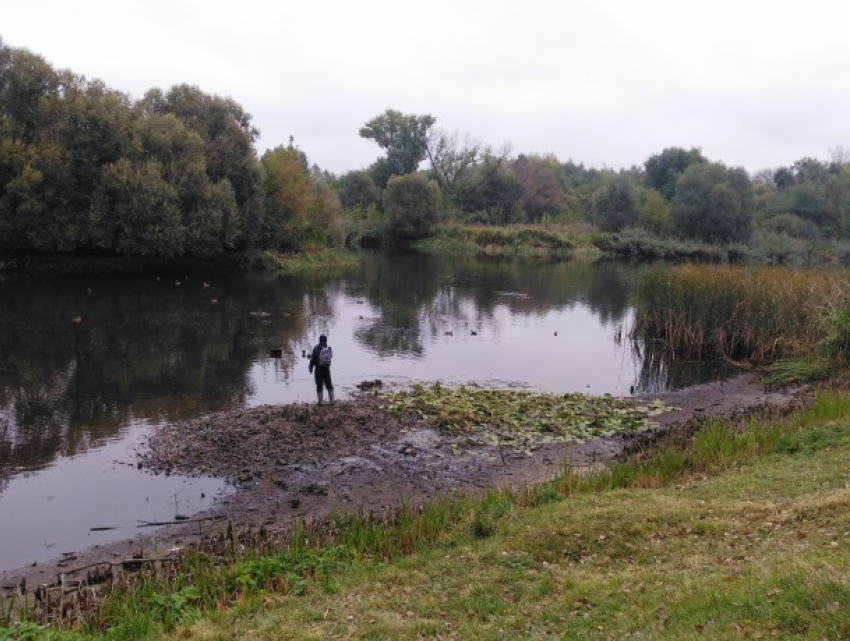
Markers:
point(298, 461)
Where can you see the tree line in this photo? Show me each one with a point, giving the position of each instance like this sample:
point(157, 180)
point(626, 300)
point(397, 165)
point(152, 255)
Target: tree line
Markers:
point(677, 192)
point(84, 168)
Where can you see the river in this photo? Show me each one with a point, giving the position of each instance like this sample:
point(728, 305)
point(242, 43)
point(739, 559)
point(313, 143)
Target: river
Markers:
point(90, 363)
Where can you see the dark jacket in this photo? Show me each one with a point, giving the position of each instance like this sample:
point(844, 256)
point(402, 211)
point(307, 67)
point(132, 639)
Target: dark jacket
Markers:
point(314, 357)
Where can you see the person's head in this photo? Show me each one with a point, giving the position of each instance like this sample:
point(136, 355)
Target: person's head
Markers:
point(323, 339)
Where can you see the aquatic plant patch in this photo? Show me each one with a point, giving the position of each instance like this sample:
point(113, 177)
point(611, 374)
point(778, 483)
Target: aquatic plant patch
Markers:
point(520, 419)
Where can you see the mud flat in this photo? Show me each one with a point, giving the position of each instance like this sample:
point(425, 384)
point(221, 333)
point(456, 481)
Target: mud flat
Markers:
point(300, 461)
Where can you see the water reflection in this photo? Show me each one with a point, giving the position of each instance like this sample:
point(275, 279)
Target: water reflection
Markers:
point(84, 356)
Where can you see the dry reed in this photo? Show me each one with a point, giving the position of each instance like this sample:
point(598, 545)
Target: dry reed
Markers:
point(751, 315)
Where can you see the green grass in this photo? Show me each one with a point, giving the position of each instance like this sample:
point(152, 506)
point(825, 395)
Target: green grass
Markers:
point(742, 531)
point(309, 260)
point(519, 240)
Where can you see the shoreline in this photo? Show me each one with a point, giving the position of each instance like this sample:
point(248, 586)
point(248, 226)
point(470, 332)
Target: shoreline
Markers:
point(305, 462)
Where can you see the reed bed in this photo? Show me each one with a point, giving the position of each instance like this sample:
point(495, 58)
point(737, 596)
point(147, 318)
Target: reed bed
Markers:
point(747, 315)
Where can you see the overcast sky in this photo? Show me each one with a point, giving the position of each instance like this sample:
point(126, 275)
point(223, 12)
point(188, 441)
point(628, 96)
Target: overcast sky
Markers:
point(754, 83)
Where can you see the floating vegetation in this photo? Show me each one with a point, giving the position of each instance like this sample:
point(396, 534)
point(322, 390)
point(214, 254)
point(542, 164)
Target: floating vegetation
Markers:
point(520, 419)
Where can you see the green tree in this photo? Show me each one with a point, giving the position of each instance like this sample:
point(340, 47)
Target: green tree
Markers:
point(136, 210)
point(491, 194)
point(713, 203)
point(289, 196)
point(359, 190)
point(298, 210)
point(783, 178)
point(412, 206)
point(810, 170)
point(792, 225)
point(404, 137)
point(95, 130)
point(616, 204)
point(837, 191)
point(30, 91)
point(654, 213)
point(810, 203)
point(663, 170)
point(209, 214)
point(43, 203)
point(228, 137)
point(580, 187)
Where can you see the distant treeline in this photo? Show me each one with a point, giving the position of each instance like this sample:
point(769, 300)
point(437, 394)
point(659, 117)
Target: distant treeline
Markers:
point(86, 169)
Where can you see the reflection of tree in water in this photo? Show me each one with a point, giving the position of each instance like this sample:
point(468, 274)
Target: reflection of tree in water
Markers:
point(418, 294)
point(153, 349)
point(528, 286)
point(403, 287)
point(660, 370)
point(83, 357)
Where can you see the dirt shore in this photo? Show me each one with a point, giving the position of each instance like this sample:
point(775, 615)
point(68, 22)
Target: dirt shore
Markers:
point(291, 461)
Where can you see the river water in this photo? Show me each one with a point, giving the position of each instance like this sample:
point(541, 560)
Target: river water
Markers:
point(90, 363)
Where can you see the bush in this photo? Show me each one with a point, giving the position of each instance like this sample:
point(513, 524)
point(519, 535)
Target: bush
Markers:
point(616, 205)
point(412, 206)
point(792, 225)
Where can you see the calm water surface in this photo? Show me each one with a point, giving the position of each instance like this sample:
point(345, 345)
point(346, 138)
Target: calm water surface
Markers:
point(88, 364)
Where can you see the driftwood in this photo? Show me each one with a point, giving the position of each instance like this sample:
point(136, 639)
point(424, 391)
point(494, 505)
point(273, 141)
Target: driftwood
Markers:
point(153, 524)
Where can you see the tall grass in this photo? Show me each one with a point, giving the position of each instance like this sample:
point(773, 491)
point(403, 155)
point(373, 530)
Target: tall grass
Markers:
point(756, 315)
point(308, 260)
point(520, 240)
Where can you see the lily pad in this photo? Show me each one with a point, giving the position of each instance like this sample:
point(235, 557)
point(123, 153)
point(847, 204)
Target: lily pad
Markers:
point(520, 419)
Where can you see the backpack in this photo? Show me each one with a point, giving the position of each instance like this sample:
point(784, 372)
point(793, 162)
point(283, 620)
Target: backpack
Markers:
point(325, 355)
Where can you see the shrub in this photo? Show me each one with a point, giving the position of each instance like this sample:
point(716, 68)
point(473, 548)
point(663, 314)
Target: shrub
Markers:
point(616, 205)
point(412, 205)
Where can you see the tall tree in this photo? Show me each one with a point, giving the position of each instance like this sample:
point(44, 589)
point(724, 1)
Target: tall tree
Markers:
point(664, 169)
point(654, 212)
point(137, 211)
point(404, 137)
point(713, 203)
point(491, 193)
point(450, 156)
point(542, 194)
point(810, 170)
point(228, 135)
point(289, 196)
point(299, 208)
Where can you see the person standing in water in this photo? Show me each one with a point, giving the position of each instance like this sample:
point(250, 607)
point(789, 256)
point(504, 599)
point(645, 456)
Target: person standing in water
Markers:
point(320, 362)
